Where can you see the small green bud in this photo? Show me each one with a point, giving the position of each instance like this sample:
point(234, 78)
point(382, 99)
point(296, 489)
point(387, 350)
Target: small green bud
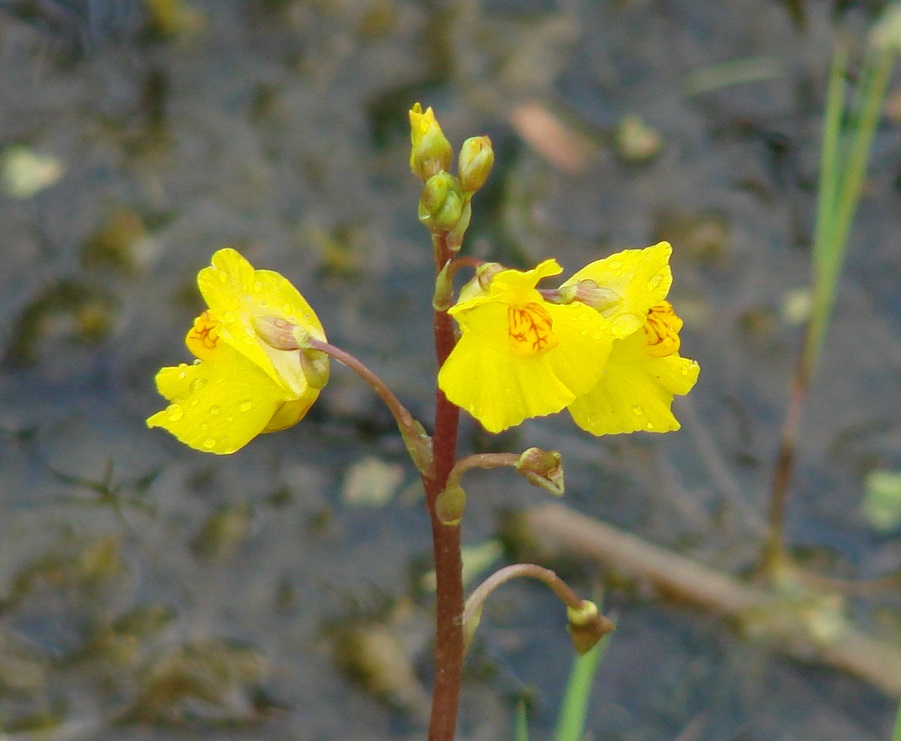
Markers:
point(449, 505)
point(475, 163)
point(456, 234)
point(441, 203)
point(443, 298)
point(431, 152)
point(542, 468)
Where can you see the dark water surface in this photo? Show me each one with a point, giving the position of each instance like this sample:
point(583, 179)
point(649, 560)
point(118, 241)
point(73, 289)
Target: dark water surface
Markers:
point(151, 592)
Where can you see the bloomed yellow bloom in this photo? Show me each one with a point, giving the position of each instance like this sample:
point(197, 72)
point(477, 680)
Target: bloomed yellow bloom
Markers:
point(519, 356)
point(644, 370)
point(239, 386)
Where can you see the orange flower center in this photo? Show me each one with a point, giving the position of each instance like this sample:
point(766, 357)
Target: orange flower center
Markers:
point(662, 330)
point(530, 330)
point(203, 336)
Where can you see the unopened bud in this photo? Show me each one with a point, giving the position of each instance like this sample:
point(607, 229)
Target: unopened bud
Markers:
point(587, 626)
point(449, 505)
point(443, 298)
point(475, 163)
point(542, 468)
point(441, 203)
point(431, 152)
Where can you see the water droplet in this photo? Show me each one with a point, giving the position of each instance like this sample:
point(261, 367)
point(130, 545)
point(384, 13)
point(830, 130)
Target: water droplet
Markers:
point(204, 426)
point(615, 264)
point(684, 370)
point(209, 443)
point(229, 418)
point(193, 402)
point(650, 425)
point(175, 413)
point(257, 286)
point(214, 410)
point(245, 405)
point(228, 317)
point(182, 375)
point(654, 282)
point(197, 384)
point(637, 410)
point(223, 277)
point(286, 307)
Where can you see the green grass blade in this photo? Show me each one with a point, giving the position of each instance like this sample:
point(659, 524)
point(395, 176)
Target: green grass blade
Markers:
point(573, 711)
point(521, 728)
point(841, 181)
point(829, 154)
point(896, 734)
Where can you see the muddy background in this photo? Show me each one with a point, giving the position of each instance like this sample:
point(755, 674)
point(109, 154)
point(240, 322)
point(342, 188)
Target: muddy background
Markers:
point(148, 591)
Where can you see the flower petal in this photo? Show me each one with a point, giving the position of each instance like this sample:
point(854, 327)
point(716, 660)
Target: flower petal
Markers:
point(500, 388)
point(220, 404)
point(635, 391)
point(236, 293)
point(642, 278)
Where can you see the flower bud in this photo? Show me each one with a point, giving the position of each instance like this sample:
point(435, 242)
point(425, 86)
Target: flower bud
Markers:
point(431, 152)
point(441, 203)
point(475, 163)
point(587, 626)
point(449, 505)
point(542, 468)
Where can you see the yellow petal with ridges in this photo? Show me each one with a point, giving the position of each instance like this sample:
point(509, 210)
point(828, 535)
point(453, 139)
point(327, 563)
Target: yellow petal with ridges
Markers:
point(641, 278)
point(220, 404)
point(500, 388)
point(635, 392)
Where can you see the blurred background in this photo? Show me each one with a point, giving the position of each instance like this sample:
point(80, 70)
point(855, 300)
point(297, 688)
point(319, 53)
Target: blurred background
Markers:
point(148, 591)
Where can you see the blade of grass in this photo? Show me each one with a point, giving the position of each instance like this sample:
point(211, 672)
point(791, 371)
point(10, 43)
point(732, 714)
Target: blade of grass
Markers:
point(573, 711)
point(896, 734)
point(521, 728)
point(840, 192)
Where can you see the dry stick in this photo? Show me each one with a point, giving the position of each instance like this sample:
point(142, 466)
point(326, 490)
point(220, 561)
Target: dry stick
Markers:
point(849, 650)
point(449, 646)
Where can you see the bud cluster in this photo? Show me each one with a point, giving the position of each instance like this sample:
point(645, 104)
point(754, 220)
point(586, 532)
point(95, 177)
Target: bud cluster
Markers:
point(444, 206)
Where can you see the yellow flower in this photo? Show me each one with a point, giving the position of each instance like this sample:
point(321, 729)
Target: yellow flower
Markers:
point(519, 356)
point(644, 370)
point(239, 386)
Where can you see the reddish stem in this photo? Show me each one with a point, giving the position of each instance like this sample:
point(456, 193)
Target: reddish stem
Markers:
point(449, 646)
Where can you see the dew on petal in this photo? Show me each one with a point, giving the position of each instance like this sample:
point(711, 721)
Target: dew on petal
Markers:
point(245, 405)
point(175, 412)
point(654, 282)
point(209, 443)
point(214, 410)
point(205, 426)
point(615, 264)
point(197, 384)
point(223, 279)
point(257, 286)
point(637, 410)
point(228, 317)
point(650, 425)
